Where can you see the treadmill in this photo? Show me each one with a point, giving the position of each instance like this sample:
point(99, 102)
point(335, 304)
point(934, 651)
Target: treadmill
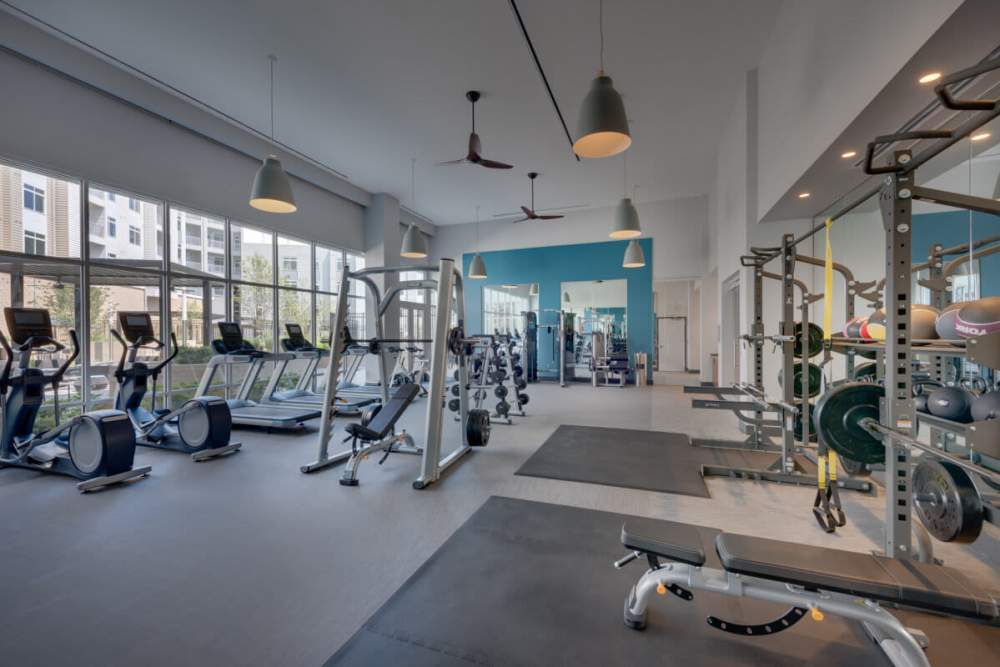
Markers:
point(302, 395)
point(232, 349)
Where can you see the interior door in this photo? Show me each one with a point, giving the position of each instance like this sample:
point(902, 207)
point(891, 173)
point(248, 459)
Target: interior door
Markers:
point(671, 344)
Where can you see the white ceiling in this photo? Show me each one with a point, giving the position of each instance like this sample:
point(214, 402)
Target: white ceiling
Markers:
point(363, 86)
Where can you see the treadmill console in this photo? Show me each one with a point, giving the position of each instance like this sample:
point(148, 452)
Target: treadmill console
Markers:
point(296, 341)
point(25, 323)
point(232, 339)
point(136, 326)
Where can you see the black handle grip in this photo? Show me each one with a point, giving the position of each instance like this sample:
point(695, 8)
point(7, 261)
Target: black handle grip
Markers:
point(950, 102)
point(887, 139)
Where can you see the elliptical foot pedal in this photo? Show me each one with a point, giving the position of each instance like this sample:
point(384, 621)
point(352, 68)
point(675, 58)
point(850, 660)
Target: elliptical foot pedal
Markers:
point(348, 482)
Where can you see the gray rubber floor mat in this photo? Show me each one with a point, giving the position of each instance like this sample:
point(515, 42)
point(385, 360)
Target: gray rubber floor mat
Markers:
point(528, 583)
point(633, 459)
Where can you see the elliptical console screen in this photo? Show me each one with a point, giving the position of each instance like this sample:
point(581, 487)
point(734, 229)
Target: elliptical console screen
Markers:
point(25, 323)
point(135, 325)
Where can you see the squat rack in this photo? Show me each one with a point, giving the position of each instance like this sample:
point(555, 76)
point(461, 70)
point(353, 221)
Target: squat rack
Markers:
point(896, 192)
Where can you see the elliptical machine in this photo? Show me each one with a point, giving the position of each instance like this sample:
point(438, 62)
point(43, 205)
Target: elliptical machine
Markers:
point(201, 427)
point(95, 447)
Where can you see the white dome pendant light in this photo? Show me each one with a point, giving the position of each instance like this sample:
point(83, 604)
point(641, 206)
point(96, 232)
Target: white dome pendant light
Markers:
point(272, 189)
point(602, 126)
point(477, 268)
point(634, 258)
point(414, 245)
point(626, 224)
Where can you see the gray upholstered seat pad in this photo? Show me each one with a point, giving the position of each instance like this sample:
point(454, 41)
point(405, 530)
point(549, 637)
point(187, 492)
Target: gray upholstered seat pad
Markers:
point(674, 541)
point(387, 417)
point(923, 585)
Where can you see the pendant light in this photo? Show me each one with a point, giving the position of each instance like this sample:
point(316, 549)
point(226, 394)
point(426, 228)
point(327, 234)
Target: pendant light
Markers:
point(533, 290)
point(477, 268)
point(634, 258)
point(626, 224)
point(602, 126)
point(272, 189)
point(565, 297)
point(414, 245)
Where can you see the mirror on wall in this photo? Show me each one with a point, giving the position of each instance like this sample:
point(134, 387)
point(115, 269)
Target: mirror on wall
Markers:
point(598, 320)
point(504, 307)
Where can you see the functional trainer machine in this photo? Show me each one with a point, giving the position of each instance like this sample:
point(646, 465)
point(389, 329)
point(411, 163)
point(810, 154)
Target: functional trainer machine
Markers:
point(475, 424)
point(97, 447)
point(231, 349)
point(201, 427)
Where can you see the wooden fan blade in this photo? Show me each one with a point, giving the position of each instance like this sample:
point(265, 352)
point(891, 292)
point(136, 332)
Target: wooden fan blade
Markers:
point(527, 211)
point(550, 217)
point(491, 164)
point(445, 164)
point(522, 219)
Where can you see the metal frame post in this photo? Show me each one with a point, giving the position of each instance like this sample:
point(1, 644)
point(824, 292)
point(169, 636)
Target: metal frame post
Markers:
point(787, 345)
point(897, 209)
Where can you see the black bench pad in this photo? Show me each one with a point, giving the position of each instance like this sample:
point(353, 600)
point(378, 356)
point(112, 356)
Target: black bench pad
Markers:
point(679, 542)
point(921, 585)
point(387, 417)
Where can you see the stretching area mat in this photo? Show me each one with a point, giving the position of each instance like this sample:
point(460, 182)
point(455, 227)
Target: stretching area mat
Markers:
point(633, 459)
point(528, 583)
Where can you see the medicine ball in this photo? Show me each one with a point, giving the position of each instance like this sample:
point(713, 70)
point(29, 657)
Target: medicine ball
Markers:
point(873, 328)
point(853, 327)
point(922, 321)
point(945, 324)
point(952, 403)
point(978, 318)
point(986, 406)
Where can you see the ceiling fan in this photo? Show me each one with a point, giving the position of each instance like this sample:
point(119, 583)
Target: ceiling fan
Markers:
point(529, 213)
point(474, 155)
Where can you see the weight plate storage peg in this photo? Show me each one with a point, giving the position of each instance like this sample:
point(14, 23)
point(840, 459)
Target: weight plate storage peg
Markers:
point(815, 342)
point(477, 428)
point(838, 421)
point(947, 502)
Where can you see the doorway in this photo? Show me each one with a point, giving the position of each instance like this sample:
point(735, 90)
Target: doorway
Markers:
point(671, 343)
point(729, 361)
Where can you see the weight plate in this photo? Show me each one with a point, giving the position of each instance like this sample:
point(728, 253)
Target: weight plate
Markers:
point(815, 340)
point(456, 389)
point(812, 426)
point(947, 502)
point(852, 467)
point(523, 399)
point(865, 372)
point(369, 414)
point(477, 428)
point(503, 407)
point(521, 384)
point(815, 380)
point(500, 391)
point(838, 421)
point(454, 404)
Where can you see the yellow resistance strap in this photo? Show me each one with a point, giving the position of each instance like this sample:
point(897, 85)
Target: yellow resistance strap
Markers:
point(828, 286)
point(832, 455)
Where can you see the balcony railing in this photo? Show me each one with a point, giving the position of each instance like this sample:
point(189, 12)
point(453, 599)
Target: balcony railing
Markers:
point(192, 240)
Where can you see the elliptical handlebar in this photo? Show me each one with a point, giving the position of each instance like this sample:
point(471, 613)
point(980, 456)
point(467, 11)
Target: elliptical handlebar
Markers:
point(170, 357)
point(144, 341)
point(58, 375)
point(8, 358)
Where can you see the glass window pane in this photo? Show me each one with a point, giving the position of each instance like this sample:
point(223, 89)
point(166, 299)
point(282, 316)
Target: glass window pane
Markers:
point(356, 318)
point(198, 241)
point(188, 312)
point(412, 295)
point(39, 214)
point(123, 226)
point(108, 295)
point(252, 254)
point(356, 263)
point(326, 305)
point(253, 309)
point(329, 265)
point(294, 263)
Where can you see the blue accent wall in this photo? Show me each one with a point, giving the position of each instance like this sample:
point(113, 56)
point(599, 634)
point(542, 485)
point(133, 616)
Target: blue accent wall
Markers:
point(551, 266)
point(951, 228)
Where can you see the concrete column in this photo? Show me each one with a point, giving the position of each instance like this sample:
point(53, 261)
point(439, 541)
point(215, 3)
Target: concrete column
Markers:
point(383, 237)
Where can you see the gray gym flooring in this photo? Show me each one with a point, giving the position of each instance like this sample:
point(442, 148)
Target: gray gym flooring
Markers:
point(247, 561)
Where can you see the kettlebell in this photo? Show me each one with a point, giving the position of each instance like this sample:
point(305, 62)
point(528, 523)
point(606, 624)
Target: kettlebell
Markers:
point(986, 406)
point(921, 390)
point(952, 403)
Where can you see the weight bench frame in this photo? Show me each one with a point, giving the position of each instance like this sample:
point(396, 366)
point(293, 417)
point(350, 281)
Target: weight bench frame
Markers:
point(387, 439)
point(685, 571)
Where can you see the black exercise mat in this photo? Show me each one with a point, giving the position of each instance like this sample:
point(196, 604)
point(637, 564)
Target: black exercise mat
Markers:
point(527, 583)
point(633, 459)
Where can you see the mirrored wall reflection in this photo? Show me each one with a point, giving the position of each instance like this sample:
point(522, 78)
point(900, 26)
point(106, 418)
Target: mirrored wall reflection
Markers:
point(504, 307)
point(596, 312)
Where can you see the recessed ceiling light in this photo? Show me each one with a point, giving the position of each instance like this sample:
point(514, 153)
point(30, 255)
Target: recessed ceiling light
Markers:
point(507, 286)
point(930, 77)
point(848, 154)
point(803, 195)
point(980, 136)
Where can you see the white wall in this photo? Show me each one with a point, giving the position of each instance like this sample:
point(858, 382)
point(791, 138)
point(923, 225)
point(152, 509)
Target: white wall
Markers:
point(824, 63)
point(678, 227)
point(680, 298)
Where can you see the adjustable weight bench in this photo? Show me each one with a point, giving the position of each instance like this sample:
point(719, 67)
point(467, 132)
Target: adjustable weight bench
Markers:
point(377, 435)
point(809, 579)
